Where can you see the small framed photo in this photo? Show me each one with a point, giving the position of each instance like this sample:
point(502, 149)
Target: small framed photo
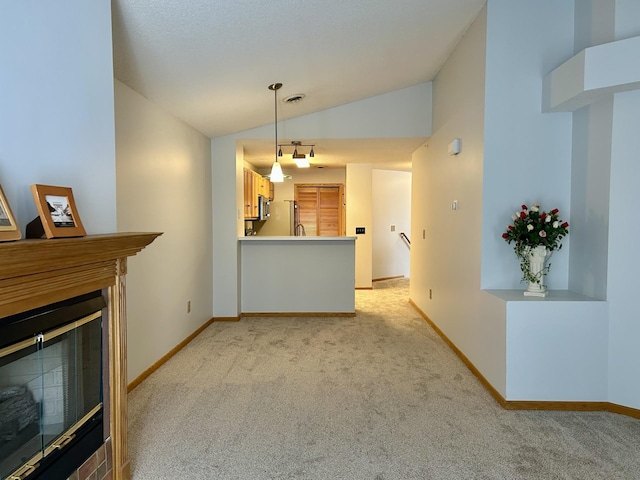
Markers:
point(58, 211)
point(8, 227)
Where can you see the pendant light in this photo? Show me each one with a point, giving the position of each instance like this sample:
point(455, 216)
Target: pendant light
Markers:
point(276, 169)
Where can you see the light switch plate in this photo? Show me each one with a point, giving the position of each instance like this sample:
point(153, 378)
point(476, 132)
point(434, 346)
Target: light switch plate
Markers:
point(359, 230)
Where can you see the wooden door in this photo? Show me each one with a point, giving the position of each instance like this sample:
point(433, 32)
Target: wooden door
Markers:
point(321, 209)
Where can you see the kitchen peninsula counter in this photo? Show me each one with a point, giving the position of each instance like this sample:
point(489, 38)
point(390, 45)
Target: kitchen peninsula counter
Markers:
point(297, 275)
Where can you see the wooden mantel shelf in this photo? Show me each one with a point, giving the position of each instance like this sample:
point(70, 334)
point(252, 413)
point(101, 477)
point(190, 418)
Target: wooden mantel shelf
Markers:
point(26, 257)
point(34, 273)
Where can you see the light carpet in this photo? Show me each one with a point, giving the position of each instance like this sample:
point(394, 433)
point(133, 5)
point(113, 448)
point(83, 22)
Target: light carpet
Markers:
point(378, 396)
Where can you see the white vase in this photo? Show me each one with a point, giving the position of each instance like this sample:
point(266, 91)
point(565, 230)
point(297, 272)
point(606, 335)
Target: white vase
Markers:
point(537, 258)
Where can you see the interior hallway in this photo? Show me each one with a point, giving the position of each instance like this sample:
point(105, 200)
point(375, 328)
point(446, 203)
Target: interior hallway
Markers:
point(377, 396)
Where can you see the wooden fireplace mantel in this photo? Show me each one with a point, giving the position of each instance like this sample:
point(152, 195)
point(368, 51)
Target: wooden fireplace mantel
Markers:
point(34, 273)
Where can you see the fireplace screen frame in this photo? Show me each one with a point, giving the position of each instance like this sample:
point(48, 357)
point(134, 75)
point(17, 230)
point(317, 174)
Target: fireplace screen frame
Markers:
point(64, 325)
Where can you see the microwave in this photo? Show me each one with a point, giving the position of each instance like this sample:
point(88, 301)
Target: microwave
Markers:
point(264, 210)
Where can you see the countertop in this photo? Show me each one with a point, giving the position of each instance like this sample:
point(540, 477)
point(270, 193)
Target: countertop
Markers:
point(256, 238)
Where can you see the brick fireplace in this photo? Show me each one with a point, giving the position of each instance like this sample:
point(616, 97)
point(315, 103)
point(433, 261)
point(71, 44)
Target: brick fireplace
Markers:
point(35, 274)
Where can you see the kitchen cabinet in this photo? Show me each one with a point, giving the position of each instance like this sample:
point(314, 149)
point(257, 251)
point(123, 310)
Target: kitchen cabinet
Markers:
point(255, 185)
point(263, 188)
point(250, 195)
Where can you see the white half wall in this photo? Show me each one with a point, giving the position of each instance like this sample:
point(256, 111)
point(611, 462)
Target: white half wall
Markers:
point(163, 185)
point(306, 274)
point(556, 347)
point(56, 106)
point(391, 209)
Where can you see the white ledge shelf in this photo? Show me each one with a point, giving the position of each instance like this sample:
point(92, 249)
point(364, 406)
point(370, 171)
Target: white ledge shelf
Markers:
point(591, 75)
point(552, 296)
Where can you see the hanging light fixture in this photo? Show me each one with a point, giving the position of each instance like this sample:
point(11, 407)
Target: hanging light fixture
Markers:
point(276, 169)
point(300, 158)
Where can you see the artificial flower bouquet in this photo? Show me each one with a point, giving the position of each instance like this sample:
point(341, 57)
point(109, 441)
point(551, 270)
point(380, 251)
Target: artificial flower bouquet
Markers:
point(531, 228)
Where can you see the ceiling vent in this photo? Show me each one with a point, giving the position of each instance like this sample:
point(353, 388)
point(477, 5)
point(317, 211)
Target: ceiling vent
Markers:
point(294, 98)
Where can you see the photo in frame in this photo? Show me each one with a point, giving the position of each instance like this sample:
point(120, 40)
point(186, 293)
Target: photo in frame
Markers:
point(58, 211)
point(9, 230)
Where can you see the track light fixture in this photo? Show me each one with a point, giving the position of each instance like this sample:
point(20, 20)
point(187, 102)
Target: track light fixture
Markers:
point(300, 158)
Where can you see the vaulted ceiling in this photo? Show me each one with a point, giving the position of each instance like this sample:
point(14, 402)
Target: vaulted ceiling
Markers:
point(208, 62)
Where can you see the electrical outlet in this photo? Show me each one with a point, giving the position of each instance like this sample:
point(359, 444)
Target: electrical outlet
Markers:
point(430, 296)
point(359, 230)
point(189, 306)
point(393, 228)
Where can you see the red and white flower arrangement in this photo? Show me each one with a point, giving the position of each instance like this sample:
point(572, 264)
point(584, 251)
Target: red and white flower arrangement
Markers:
point(531, 228)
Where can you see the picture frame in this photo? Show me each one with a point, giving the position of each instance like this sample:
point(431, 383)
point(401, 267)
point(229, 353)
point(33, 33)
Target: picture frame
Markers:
point(9, 230)
point(58, 211)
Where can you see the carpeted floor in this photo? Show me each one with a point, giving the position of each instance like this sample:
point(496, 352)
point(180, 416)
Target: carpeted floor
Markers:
point(378, 396)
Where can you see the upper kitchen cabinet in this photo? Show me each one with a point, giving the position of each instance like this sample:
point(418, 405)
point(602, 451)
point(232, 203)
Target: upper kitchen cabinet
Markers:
point(254, 186)
point(250, 195)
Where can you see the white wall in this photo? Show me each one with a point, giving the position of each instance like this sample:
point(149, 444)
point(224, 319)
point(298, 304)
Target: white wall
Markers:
point(403, 113)
point(446, 261)
point(591, 163)
point(589, 225)
point(163, 185)
point(56, 106)
point(527, 155)
point(391, 206)
point(359, 200)
point(624, 263)
point(624, 328)
point(587, 158)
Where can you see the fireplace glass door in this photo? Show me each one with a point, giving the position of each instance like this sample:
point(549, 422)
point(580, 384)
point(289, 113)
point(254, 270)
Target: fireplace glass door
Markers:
point(50, 385)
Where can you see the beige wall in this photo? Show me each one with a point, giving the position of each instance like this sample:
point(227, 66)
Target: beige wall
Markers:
point(391, 206)
point(360, 214)
point(285, 190)
point(56, 107)
point(163, 175)
point(446, 261)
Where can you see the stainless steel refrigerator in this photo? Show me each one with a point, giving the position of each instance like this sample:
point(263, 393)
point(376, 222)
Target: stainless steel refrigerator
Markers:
point(285, 216)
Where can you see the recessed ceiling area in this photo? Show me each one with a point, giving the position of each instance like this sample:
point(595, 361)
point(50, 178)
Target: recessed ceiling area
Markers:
point(384, 153)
